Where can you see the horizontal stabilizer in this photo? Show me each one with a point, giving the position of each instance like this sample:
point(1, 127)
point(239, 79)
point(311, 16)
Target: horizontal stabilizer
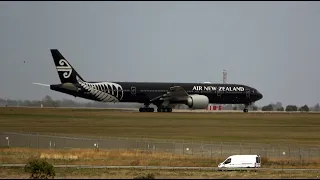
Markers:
point(48, 85)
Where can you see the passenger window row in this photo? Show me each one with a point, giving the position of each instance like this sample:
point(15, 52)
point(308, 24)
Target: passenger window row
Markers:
point(155, 90)
point(187, 91)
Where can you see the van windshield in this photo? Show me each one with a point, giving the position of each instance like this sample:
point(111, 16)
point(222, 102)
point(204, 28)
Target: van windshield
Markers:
point(227, 161)
point(257, 159)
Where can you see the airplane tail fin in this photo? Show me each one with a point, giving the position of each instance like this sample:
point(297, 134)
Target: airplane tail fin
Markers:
point(65, 70)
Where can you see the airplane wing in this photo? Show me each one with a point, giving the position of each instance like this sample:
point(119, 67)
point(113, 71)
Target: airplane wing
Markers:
point(175, 93)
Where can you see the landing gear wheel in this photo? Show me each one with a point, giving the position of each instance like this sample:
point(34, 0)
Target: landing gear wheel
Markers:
point(245, 110)
point(164, 109)
point(146, 109)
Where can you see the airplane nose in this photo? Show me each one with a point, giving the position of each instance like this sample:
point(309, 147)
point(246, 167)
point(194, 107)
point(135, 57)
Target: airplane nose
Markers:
point(260, 96)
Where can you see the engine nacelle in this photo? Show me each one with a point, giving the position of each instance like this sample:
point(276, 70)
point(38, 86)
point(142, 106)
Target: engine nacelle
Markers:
point(197, 101)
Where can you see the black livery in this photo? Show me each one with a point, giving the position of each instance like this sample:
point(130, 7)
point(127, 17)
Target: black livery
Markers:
point(162, 94)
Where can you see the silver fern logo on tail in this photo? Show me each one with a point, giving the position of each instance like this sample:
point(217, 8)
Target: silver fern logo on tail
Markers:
point(103, 91)
point(64, 67)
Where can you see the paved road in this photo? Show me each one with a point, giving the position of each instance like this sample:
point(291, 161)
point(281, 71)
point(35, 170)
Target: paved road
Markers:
point(162, 167)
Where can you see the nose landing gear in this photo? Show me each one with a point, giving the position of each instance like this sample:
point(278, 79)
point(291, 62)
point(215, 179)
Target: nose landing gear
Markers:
point(245, 110)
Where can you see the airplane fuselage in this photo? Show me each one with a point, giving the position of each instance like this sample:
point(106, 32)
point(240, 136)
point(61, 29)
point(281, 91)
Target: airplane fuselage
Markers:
point(142, 92)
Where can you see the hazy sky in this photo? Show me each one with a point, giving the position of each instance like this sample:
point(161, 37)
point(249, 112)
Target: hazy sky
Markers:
point(272, 46)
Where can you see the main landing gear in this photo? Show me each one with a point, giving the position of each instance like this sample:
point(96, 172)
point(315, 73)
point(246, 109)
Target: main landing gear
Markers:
point(146, 108)
point(164, 109)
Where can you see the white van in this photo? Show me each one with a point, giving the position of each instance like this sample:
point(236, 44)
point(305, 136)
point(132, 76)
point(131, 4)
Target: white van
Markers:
point(241, 161)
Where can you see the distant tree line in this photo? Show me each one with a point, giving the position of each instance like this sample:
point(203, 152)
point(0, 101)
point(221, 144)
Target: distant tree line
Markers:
point(289, 108)
point(47, 101)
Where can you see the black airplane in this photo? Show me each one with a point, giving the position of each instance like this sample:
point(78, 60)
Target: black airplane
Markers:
point(162, 94)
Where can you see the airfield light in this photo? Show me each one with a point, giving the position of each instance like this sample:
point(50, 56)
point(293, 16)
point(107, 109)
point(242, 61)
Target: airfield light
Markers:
point(7, 138)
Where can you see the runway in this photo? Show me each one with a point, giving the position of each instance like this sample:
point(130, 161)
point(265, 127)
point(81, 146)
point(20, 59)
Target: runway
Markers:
point(174, 110)
point(165, 168)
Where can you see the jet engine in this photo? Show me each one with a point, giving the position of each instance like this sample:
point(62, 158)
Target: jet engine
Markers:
point(197, 101)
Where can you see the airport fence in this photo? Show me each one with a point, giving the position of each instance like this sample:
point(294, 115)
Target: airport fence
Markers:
point(188, 148)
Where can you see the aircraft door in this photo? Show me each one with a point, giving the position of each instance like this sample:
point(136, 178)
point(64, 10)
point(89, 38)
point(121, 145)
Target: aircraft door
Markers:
point(219, 93)
point(133, 90)
point(248, 93)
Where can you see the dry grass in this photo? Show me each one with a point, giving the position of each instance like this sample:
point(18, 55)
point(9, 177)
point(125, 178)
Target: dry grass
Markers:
point(73, 173)
point(135, 158)
point(295, 128)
